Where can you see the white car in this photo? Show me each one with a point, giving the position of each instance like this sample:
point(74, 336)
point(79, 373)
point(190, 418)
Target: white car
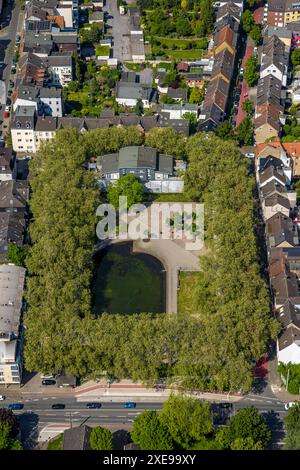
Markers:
point(289, 405)
point(7, 107)
point(2, 397)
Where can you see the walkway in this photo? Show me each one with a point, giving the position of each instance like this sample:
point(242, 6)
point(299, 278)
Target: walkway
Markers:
point(241, 114)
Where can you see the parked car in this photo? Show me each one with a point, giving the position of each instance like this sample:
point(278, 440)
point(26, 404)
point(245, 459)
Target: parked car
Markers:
point(9, 93)
point(7, 108)
point(58, 406)
point(18, 38)
point(93, 405)
point(15, 406)
point(129, 404)
point(290, 404)
point(46, 376)
point(2, 397)
point(48, 382)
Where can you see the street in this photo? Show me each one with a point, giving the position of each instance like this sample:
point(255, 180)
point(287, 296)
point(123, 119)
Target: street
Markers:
point(37, 415)
point(7, 46)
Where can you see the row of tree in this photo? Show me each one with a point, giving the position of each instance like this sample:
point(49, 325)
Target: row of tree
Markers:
point(231, 325)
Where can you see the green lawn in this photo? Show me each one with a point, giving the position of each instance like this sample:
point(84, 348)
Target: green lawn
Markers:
point(187, 300)
point(181, 43)
point(56, 443)
point(191, 54)
point(79, 96)
point(176, 197)
point(102, 50)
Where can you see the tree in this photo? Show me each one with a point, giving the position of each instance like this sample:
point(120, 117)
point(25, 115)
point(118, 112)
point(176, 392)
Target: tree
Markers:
point(101, 439)
point(255, 34)
point(248, 428)
point(224, 131)
point(16, 254)
point(126, 186)
point(7, 416)
point(295, 57)
point(244, 132)
point(251, 74)
point(192, 120)
point(183, 27)
point(167, 140)
point(139, 107)
point(248, 107)
point(187, 419)
point(248, 21)
point(149, 433)
point(196, 96)
point(6, 441)
point(292, 424)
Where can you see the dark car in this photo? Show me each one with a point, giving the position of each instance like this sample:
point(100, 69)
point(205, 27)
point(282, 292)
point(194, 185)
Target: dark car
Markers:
point(58, 406)
point(93, 405)
point(48, 382)
point(15, 406)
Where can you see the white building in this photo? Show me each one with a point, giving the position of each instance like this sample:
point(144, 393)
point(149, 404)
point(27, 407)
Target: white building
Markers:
point(177, 111)
point(60, 68)
point(11, 293)
point(288, 342)
point(22, 130)
point(50, 102)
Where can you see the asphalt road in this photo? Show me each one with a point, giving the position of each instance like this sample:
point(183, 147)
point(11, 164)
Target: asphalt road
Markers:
point(7, 47)
point(118, 26)
point(37, 414)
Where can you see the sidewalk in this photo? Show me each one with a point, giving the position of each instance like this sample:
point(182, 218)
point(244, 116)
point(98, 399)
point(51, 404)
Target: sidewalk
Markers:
point(276, 386)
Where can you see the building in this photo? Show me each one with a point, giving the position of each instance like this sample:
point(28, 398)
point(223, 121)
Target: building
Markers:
point(77, 438)
point(8, 167)
point(145, 163)
point(50, 102)
point(177, 111)
point(128, 94)
point(11, 308)
point(288, 342)
point(12, 228)
point(60, 68)
point(22, 129)
point(14, 196)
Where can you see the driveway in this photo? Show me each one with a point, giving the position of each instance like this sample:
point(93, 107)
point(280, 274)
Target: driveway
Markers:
point(118, 27)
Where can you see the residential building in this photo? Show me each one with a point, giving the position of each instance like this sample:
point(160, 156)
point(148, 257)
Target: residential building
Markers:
point(177, 94)
point(50, 101)
point(8, 167)
point(77, 438)
point(12, 228)
point(177, 111)
point(60, 68)
point(128, 94)
point(22, 129)
point(288, 342)
point(11, 308)
point(281, 232)
point(14, 196)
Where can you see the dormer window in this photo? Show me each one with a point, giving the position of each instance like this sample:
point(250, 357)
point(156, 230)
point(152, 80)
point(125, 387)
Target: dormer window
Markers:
point(28, 126)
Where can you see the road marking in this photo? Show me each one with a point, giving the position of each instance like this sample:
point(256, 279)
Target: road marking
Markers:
point(45, 398)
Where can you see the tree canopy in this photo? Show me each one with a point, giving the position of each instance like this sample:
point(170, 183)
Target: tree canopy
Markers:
point(101, 439)
point(128, 186)
point(150, 433)
point(292, 424)
point(251, 74)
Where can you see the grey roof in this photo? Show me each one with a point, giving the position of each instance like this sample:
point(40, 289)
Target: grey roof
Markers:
point(50, 92)
point(28, 92)
point(265, 162)
point(109, 163)
point(279, 229)
point(11, 231)
point(97, 16)
point(7, 160)
point(77, 438)
point(177, 93)
point(223, 64)
point(273, 52)
point(65, 38)
point(14, 195)
point(269, 88)
point(31, 25)
point(289, 314)
point(179, 125)
point(137, 157)
point(11, 292)
point(271, 172)
point(66, 380)
point(23, 118)
point(60, 60)
point(281, 32)
point(186, 107)
point(288, 337)
point(133, 91)
point(229, 9)
point(273, 188)
point(45, 123)
point(285, 285)
point(38, 42)
point(275, 199)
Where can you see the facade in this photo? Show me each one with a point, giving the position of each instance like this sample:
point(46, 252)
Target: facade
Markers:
point(22, 129)
point(11, 308)
point(60, 69)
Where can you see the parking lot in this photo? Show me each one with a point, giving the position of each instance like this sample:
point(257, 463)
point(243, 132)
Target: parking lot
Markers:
point(118, 27)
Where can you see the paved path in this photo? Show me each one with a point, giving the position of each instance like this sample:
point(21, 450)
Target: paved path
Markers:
point(119, 29)
point(241, 114)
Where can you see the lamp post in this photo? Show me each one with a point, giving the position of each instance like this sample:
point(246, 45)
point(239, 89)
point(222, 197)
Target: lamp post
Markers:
point(287, 379)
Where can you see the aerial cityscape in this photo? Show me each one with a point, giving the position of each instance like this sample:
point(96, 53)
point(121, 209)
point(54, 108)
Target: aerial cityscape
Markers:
point(149, 226)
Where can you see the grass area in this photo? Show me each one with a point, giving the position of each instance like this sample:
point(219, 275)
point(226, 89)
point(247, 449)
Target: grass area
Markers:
point(182, 43)
point(127, 283)
point(79, 96)
point(56, 443)
point(102, 50)
point(135, 67)
point(191, 54)
point(176, 197)
point(187, 293)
